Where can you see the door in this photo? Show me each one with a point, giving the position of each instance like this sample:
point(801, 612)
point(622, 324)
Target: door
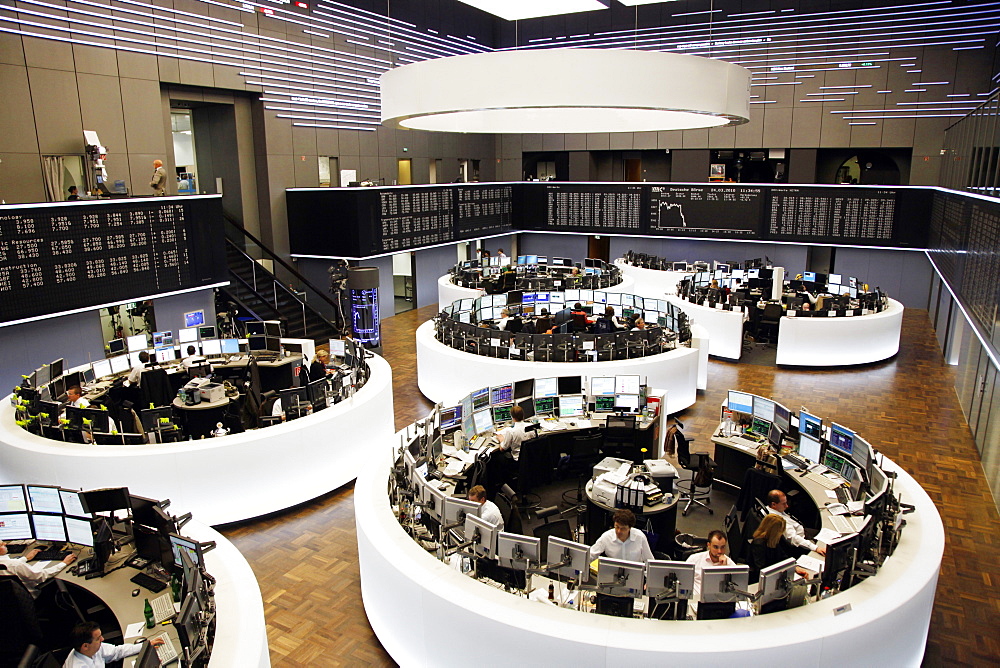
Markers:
point(599, 247)
point(632, 168)
point(404, 170)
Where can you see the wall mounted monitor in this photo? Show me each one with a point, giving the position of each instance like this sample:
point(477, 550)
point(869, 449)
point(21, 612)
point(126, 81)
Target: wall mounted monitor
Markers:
point(627, 403)
point(502, 394)
point(188, 335)
point(781, 416)
point(627, 384)
point(119, 364)
point(115, 347)
point(13, 499)
point(570, 385)
point(480, 398)
point(763, 408)
point(48, 528)
point(546, 387)
point(482, 534)
point(670, 577)
point(482, 420)
point(194, 318)
point(44, 499)
point(718, 582)
point(517, 551)
point(810, 425)
point(841, 439)
point(15, 526)
point(740, 402)
point(79, 532)
point(810, 448)
point(619, 577)
point(602, 386)
point(206, 332)
point(571, 405)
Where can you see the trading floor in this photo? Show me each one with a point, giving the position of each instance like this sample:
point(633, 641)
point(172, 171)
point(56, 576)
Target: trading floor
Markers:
point(306, 558)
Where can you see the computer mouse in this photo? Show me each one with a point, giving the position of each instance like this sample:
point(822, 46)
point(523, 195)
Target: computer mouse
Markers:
point(135, 592)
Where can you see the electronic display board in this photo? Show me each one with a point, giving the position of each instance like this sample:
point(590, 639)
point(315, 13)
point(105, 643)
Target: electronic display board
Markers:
point(483, 209)
point(67, 256)
point(705, 210)
point(597, 208)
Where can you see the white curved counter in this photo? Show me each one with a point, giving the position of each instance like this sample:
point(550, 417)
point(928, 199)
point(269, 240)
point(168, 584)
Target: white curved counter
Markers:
point(840, 341)
point(652, 282)
point(448, 292)
point(426, 613)
point(223, 479)
point(724, 328)
point(446, 375)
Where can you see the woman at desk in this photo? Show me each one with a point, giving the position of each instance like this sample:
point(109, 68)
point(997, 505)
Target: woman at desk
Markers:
point(769, 546)
point(320, 362)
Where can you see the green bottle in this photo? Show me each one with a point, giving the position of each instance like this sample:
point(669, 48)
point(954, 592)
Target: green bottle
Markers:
point(147, 611)
point(175, 587)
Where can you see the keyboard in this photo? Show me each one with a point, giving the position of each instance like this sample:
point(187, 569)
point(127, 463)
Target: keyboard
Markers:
point(824, 481)
point(163, 608)
point(52, 554)
point(165, 652)
point(148, 582)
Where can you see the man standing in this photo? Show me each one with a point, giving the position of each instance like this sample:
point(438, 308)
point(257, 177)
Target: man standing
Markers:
point(159, 181)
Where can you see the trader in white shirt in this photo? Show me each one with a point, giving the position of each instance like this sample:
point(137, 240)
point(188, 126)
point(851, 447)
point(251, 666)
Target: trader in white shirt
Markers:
point(624, 541)
point(75, 398)
point(795, 533)
point(32, 575)
point(89, 650)
point(138, 368)
point(715, 555)
point(515, 434)
point(488, 510)
point(504, 319)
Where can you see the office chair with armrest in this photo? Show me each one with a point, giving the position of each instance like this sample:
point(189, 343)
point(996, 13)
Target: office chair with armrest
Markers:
point(579, 321)
point(620, 436)
point(692, 494)
point(585, 452)
point(559, 528)
point(20, 626)
point(512, 521)
point(769, 320)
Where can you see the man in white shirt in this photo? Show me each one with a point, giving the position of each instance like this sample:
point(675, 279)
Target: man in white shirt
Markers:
point(795, 533)
point(89, 650)
point(75, 398)
point(193, 358)
point(32, 575)
point(504, 319)
point(137, 368)
point(516, 434)
point(715, 555)
point(488, 510)
point(624, 541)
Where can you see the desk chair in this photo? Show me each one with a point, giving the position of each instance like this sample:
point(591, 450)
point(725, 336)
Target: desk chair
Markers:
point(559, 528)
point(769, 321)
point(21, 626)
point(585, 452)
point(619, 436)
point(507, 503)
point(692, 494)
point(579, 321)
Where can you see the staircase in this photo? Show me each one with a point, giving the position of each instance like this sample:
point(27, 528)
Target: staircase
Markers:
point(261, 295)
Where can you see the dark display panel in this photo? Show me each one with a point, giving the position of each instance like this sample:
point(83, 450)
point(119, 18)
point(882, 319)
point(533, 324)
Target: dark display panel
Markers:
point(948, 230)
point(806, 214)
point(414, 217)
point(705, 210)
point(484, 210)
point(66, 256)
point(587, 207)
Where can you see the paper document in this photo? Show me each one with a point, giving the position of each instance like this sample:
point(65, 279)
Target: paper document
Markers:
point(810, 563)
point(837, 509)
point(831, 494)
point(134, 630)
point(826, 535)
point(855, 506)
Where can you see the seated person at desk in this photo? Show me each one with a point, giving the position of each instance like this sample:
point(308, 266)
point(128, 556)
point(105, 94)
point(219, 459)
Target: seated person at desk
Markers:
point(607, 323)
point(769, 546)
point(504, 319)
point(89, 650)
point(515, 434)
point(193, 358)
point(795, 533)
point(714, 291)
point(543, 323)
point(624, 541)
point(637, 323)
point(715, 555)
point(75, 398)
point(579, 317)
point(32, 575)
point(488, 510)
point(319, 365)
point(136, 372)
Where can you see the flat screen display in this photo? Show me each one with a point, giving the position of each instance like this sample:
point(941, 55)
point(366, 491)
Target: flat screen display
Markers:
point(44, 499)
point(602, 386)
point(628, 403)
point(188, 335)
point(627, 384)
point(102, 368)
point(809, 448)
point(49, 528)
point(740, 402)
point(12, 499)
point(841, 439)
point(15, 526)
point(763, 408)
point(72, 504)
point(546, 387)
point(571, 405)
point(78, 532)
point(482, 420)
point(810, 425)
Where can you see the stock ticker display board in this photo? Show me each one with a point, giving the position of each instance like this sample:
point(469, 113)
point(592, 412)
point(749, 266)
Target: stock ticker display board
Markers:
point(361, 222)
point(66, 256)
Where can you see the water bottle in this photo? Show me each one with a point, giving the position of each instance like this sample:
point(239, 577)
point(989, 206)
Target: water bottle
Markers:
point(175, 588)
point(147, 611)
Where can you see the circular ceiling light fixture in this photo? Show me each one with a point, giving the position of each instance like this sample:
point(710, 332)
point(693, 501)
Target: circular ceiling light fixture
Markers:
point(565, 91)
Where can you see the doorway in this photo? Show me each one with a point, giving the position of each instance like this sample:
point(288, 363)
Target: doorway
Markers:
point(404, 171)
point(599, 247)
point(403, 285)
point(632, 169)
point(328, 170)
point(185, 153)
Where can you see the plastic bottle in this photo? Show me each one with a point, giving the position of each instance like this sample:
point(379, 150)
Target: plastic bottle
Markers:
point(552, 592)
point(175, 588)
point(147, 611)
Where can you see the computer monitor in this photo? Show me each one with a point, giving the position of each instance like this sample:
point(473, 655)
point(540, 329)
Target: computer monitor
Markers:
point(776, 581)
point(188, 335)
point(147, 657)
point(192, 583)
point(104, 543)
point(106, 500)
point(115, 347)
point(456, 510)
point(602, 386)
point(94, 419)
point(337, 347)
point(546, 387)
point(502, 394)
point(718, 583)
point(180, 544)
point(482, 534)
point(774, 435)
point(839, 561)
point(194, 318)
point(627, 403)
point(44, 499)
point(571, 406)
point(670, 577)
point(501, 413)
point(570, 385)
point(432, 498)
point(79, 532)
point(619, 577)
point(292, 397)
point(206, 332)
point(810, 448)
point(48, 527)
point(761, 427)
point(482, 420)
point(524, 389)
point(166, 355)
point(317, 393)
point(480, 399)
point(211, 347)
point(809, 276)
point(13, 499)
point(189, 626)
point(451, 417)
point(119, 364)
point(567, 558)
point(163, 339)
point(627, 384)
point(763, 408)
point(841, 439)
point(102, 368)
point(545, 406)
point(603, 404)
point(137, 342)
point(740, 402)
point(517, 551)
point(810, 425)
point(151, 417)
point(781, 417)
point(528, 406)
point(15, 526)
point(230, 346)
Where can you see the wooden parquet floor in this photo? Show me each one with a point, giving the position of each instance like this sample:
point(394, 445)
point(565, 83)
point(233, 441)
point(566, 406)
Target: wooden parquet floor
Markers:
point(306, 558)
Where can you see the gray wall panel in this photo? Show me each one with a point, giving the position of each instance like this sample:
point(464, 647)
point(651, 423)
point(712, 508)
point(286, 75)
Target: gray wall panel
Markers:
point(431, 265)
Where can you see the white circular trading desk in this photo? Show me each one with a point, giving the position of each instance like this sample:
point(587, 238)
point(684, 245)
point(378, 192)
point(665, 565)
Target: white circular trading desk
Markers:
point(224, 479)
point(448, 292)
point(652, 282)
point(426, 613)
point(445, 374)
point(724, 328)
point(843, 341)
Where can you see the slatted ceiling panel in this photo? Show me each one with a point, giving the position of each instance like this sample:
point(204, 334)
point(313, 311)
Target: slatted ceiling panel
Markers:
point(306, 559)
